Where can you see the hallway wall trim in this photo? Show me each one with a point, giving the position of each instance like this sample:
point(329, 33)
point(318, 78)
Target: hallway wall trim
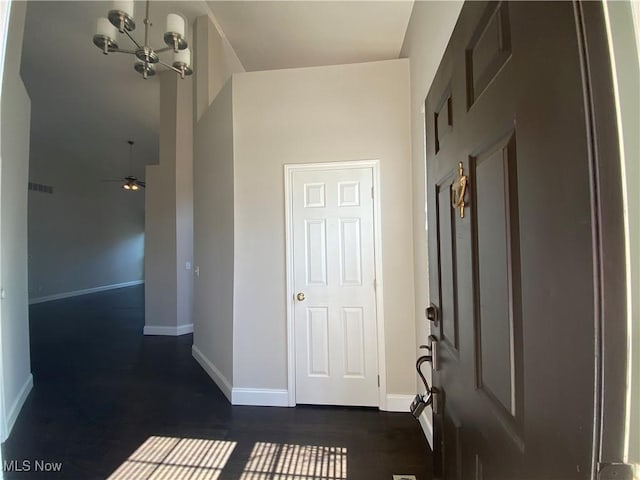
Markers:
point(427, 425)
point(168, 331)
point(398, 403)
point(15, 409)
point(86, 291)
point(215, 374)
point(262, 397)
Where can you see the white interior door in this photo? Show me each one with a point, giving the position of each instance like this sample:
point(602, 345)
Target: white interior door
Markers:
point(334, 287)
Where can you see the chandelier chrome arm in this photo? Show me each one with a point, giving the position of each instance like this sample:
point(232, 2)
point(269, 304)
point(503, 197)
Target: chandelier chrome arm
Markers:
point(122, 50)
point(120, 19)
point(132, 39)
point(181, 70)
point(163, 49)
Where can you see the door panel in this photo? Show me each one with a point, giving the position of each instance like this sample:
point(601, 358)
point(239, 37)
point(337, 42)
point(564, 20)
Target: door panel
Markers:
point(497, 267)
point(447, 255)
point(316, 252)
point(514, 273)
point(318, 341)
point(333, 256)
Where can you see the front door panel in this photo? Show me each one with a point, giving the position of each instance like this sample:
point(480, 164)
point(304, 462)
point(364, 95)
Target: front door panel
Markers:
point(513, 263)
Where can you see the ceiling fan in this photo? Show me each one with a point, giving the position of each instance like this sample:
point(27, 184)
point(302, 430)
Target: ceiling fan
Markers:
point(130, 182)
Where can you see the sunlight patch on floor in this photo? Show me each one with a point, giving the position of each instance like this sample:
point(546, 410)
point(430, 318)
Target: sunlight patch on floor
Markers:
point(171, 458)
point(273, 461)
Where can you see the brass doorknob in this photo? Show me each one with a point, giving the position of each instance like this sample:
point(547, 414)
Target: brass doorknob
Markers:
point(300, 296)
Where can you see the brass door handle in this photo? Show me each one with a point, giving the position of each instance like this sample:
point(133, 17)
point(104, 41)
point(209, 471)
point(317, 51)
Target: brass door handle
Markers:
point(459, 190)
point(300, 296)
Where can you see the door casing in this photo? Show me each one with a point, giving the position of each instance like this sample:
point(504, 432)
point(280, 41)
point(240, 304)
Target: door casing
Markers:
point(289, 170)
point(5, 13)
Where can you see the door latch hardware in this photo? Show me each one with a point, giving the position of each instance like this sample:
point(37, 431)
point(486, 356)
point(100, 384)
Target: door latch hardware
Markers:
point(434, 348)
point(436, 400)
point(432, 314)
point(421, 400)
point(615, 471)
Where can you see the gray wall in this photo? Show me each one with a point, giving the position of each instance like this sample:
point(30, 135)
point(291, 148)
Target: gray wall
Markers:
point(215, 61)
point(306, 115)
point(184, 200)
point(169, 214)
point(14, 155)
point(213, 237)
point(88, 233)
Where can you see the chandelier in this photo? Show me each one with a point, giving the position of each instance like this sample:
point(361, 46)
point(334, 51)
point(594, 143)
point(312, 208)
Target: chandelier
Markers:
point(120, 19)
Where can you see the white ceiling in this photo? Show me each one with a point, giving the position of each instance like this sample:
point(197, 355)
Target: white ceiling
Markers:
point(287, 34)
point(86, 105)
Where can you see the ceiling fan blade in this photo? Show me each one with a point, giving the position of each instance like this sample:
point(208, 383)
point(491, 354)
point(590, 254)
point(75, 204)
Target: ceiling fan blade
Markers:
point(112, 180)
point(141, 184)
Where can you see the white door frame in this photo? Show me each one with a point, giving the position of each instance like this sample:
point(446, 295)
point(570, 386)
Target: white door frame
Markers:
point(289, 170)
point(5, 12)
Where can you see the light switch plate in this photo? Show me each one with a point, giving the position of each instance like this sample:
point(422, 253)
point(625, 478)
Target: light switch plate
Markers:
point(404, 477)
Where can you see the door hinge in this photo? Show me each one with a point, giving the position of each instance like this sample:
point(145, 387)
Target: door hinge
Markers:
point(615, 471)
point(371, 192)
point(378, 381)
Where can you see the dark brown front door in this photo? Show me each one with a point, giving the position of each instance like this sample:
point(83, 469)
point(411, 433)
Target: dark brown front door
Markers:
point(511, 249)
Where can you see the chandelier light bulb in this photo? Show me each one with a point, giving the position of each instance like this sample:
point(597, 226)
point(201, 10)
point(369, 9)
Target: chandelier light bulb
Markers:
point(104, 28)
point(183, 57)
point(125, 6)
point(175, 24)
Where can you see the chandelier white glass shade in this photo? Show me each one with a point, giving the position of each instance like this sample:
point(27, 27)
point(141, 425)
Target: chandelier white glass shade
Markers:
point(120, 19)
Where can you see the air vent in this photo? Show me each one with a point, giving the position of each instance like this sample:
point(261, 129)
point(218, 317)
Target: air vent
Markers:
point(39, 187)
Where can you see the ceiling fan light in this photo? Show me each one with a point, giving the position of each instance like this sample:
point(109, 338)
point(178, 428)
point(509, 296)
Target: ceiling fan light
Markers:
point(134, 186)
point(126, 186)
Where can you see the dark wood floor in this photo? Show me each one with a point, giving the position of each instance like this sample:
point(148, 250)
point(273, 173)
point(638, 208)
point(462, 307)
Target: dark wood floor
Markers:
point(104, 391)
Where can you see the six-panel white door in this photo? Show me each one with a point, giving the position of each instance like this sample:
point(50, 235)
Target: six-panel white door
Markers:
point(334, 287)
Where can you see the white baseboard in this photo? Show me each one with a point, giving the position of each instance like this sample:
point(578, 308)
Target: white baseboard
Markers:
point(168, 331)
point(86, 291)
point(427, 425)
point(14, 411)
point(263, 397)
point(398, 403)
point(213, 372)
